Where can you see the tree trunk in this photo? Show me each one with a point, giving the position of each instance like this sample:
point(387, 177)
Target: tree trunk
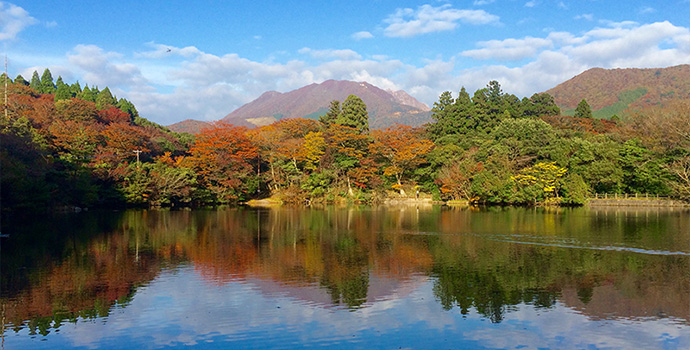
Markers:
point(402, 192)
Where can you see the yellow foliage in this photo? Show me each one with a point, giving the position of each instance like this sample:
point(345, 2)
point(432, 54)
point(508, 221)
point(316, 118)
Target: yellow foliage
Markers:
point(544, 174)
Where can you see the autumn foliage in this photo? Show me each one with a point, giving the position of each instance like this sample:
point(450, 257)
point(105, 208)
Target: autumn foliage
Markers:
point(93, 150)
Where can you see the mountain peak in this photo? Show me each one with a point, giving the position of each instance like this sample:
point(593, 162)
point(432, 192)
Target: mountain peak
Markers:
point(385, 108)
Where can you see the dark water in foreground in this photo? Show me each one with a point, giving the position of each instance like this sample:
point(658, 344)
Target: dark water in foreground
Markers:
point(370, 278)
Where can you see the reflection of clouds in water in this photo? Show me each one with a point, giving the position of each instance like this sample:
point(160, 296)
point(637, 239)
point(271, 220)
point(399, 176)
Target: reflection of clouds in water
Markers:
point(562, 328)
point(179, 309)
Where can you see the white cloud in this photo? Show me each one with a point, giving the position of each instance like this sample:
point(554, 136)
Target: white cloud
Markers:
point(102, 68)
point(646, 10)
point(161, 51)
point(621, 45)
point(428, 19)
point(204, 86)
point(13, 19)
point(585, 16)
point(483, 2)
point(530, 4)
point(508, 50)
point(327, 54)
point(362, 35)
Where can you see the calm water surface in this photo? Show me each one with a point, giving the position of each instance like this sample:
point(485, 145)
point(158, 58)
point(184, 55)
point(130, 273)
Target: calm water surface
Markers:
point(360, 277)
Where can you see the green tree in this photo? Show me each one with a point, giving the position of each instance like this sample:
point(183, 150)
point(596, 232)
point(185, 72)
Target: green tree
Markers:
point(47, 85)
point(583, 110)
point(332, 115)
point(87, 94)
point(62, 93)
point(20, 80)
point(105, 99)
point(575, 190)
point(128, 107)
point(4, 78)
point(442, 114)
point(540, 105)
point(642, 171)
point(75, 89)
point(35, 81)
point(354, 115)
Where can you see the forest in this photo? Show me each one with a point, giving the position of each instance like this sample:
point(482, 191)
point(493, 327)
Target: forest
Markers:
point(68, 146)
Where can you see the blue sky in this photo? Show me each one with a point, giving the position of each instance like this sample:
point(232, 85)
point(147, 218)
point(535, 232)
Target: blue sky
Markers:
point(179, 59)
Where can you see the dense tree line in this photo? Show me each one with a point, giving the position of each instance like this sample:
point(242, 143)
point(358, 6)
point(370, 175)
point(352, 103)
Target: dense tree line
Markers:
point(67, 145)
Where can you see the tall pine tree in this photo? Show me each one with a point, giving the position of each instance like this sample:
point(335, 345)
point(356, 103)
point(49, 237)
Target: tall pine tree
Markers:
point(20, 80)
point(47, 85)
point(35, 81)
point(332, 115)
point(583, 110)
point(105, 99)
point(355, 115)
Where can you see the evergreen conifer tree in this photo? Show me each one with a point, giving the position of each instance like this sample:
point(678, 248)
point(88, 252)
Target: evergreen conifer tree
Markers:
point(62, 92)
point(583, 110)
point(75, 89)
point(332, 115)
point(105, 99)
point(87, 94)
point(47, 85)
point(4, 77)
point(128, 107)
point(35, 82)
point(354, 114)
point(20, 80)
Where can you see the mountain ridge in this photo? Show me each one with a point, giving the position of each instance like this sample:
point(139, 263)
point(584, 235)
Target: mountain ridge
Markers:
point(607, 91)
point(385, 108)
point(613, 91)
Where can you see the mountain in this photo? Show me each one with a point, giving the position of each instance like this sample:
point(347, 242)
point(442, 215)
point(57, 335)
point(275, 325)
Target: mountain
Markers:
point(612, 91)
point(385, 108)
point(190, 126)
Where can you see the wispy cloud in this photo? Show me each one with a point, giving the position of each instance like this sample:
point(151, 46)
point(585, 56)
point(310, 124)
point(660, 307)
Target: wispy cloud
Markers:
point(585, 16)
point(13, 19)
point(509, 49)
point(428, 19)
point(362, 35)
point(329, 54)
point(645, 10)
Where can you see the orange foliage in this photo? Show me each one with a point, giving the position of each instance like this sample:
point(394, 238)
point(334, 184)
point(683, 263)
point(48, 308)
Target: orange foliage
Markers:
point(78, 139)
point(591, 125)
point(403, 148)
point(121, 140)
point(221, 155)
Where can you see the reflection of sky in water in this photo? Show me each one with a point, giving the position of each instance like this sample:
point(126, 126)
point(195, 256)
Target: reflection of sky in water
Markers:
point(179, 309)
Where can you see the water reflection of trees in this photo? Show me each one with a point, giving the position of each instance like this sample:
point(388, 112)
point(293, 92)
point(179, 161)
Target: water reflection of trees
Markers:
point(104, 257)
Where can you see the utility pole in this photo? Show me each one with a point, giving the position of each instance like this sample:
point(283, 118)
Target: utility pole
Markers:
point(6, 87)
point(137, 153)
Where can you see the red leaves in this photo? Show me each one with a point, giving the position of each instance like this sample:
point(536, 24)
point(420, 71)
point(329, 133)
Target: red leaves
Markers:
point(221, 156)
point(402, 147)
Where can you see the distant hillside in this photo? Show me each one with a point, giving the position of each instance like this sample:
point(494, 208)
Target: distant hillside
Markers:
point(190, 126)
point(385, 108)
point(612, 91)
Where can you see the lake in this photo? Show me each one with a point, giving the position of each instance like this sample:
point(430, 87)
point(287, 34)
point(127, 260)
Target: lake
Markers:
point(408, 277)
